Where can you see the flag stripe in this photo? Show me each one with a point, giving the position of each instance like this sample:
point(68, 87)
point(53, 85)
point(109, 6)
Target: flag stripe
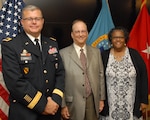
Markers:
point(4, 106)
point(3, 116)
point(4, 94)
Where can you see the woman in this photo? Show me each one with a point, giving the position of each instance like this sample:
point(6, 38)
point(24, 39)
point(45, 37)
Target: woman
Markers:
point(126, 79)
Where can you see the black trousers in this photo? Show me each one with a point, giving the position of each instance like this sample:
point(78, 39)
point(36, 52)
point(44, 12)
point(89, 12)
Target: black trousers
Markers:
point(57, 116)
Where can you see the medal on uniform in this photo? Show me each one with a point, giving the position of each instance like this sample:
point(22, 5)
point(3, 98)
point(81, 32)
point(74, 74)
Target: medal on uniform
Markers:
point(25, 55)
point(52, 50)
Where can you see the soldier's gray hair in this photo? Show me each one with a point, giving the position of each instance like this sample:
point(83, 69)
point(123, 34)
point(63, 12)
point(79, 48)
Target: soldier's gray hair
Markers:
point(31, 8)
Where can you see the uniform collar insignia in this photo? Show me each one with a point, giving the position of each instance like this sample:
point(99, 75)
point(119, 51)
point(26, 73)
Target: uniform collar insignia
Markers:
point(7, 39)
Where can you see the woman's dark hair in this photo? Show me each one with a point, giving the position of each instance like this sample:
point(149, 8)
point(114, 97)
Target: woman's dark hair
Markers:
point(124, 30)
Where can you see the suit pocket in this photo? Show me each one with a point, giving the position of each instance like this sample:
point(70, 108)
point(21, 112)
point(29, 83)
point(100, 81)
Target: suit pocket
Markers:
point(69, 98)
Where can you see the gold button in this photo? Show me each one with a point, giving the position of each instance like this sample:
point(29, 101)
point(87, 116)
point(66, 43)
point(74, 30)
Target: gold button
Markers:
point(47, 81)
point(47, 90)
point(45, 71)
point(14, 101)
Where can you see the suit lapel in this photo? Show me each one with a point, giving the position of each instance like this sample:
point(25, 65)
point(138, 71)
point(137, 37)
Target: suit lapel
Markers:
point(74, 56)
point(89, 55)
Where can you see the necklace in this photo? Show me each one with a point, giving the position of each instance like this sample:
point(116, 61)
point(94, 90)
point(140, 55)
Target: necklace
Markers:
point(118, 55)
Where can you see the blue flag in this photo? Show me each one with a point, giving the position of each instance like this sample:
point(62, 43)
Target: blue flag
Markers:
point(98, 36)
point(10, 16)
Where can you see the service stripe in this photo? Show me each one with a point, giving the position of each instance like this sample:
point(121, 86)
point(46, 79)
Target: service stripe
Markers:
point(35, 100)
point(58, 92)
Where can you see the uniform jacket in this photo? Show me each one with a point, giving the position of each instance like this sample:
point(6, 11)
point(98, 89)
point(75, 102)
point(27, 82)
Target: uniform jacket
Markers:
point(141, 95)
point(29, 78)
point(74, 80)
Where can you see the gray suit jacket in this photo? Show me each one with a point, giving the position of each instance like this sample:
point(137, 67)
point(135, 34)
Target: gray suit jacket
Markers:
point(74, 80)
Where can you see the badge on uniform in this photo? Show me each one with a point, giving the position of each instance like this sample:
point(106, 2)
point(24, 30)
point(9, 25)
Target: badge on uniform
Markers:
point(52, 50)
point(26, 70)
point(25, 55)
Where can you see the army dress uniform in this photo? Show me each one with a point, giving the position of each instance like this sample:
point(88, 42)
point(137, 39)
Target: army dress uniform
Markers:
point(31, 76)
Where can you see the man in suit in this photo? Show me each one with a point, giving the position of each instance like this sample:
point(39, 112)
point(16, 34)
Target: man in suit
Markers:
point(33, 72)
point(78, 104)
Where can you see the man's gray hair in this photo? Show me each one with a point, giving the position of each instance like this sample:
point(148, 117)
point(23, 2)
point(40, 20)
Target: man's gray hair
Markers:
point(31, 8)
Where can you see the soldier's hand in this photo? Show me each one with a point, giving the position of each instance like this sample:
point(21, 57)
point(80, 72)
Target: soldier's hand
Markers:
point(51, 107)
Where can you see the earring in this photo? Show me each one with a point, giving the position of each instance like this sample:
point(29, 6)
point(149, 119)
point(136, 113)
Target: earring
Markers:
point(111, 45)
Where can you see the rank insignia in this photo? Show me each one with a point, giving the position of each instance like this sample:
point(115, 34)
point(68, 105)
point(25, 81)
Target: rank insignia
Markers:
point(28, 98)
point(25, 55)
point(7, 39)
point(26, 70)
point(52, 38)
point(52, 50)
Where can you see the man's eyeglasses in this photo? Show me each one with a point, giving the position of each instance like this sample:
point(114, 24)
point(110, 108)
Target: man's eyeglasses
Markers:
point(31, 19)
point(82, 32)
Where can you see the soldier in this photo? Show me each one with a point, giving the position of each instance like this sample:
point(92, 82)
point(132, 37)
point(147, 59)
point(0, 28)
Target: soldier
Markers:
point(34, 75)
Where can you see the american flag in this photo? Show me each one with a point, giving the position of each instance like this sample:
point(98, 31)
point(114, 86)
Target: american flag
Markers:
point(10, 16)
point(10, 26)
